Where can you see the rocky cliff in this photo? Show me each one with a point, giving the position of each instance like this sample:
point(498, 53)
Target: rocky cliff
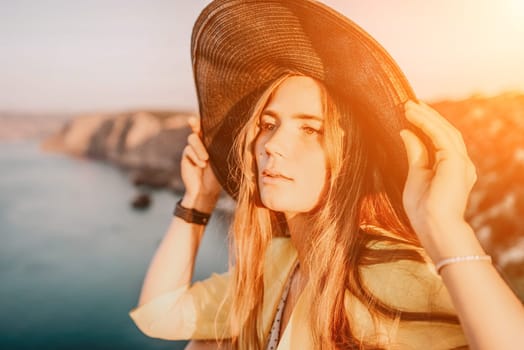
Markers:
point(148, 144)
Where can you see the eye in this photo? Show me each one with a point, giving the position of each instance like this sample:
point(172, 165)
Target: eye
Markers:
point(310, 131)
point(266, 126)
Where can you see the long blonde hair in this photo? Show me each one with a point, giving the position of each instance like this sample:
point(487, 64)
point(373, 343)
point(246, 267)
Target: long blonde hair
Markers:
point(354, 196)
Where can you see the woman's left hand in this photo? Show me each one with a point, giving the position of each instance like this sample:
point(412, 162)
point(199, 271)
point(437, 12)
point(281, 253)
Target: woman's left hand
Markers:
point(435, 198)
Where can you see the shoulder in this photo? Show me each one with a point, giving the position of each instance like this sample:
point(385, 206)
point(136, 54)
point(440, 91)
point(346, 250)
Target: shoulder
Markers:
point(279, 252)
point(279, 258)
point(406, 285)
point(408, 281)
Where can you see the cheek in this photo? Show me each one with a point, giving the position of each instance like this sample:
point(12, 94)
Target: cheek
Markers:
point(320, 176)
point(259, 143)
point(258, 150)
point(315, 173)
point(319, 162)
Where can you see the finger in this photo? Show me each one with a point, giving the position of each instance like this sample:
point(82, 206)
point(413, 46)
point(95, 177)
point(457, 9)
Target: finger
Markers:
point(423, 113)
point(194, 123)
point(198, 146)
point(442, 134)
point(428, 120)
point(190, 154)
point(436, 115)
point(419, 175)
point(457, 134)
point(415, 149)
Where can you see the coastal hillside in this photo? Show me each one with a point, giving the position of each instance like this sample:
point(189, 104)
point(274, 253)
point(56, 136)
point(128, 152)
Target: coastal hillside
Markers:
point(148, 144)
point(17, 126)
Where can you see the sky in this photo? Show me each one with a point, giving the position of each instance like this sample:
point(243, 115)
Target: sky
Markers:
point(111, 55)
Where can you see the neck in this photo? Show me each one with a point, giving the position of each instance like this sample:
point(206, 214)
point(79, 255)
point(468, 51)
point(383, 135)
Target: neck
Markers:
point(298, 227)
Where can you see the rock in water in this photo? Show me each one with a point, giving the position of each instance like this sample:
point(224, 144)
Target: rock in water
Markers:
point(141, 201)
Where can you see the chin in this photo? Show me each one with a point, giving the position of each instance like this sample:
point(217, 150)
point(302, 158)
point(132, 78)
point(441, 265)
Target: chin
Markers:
point(284, 205)
point(275, 204)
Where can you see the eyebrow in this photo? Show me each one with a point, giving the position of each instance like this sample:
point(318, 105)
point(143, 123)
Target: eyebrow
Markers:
point(297, 116)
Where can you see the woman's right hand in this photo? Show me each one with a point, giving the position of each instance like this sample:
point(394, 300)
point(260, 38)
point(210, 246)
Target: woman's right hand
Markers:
point(201, 185)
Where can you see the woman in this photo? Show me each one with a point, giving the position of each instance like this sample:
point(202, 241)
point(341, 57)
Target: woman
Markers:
point(331, 216)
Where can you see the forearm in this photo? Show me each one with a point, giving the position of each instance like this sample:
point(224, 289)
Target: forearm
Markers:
point(172, 265)
point(490, 313)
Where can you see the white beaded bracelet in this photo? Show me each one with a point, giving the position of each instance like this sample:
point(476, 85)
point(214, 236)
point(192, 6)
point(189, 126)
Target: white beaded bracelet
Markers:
point(457, 259)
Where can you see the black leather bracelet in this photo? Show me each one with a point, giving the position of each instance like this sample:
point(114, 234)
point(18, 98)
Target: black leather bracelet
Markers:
point(191, 216)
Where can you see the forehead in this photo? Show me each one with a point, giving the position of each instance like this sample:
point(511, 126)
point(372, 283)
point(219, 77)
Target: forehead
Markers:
point(296, 95)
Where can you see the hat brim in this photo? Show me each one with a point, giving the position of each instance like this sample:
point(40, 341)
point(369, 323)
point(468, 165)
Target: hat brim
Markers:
point(239, 47)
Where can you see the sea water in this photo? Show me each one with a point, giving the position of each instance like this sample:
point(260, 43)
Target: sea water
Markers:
point(73, 253)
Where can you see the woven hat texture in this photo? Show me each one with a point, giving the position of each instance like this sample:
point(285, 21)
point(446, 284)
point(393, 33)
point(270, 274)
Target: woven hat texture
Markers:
point(238, 47)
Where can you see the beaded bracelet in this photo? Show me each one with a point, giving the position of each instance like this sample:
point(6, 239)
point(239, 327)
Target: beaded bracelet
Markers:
point(457, 259)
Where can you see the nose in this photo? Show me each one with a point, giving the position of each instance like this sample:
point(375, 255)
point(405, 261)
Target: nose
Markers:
point(276, 143)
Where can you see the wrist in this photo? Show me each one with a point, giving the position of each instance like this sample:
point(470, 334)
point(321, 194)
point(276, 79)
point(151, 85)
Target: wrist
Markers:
point(461, 259)
point(190, 215)
point(202, 203)
point(450, 241)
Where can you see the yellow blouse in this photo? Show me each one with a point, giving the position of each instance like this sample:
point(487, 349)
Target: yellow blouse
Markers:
point(199, 311)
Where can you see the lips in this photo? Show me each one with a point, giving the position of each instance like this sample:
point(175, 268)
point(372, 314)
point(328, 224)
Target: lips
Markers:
point(273, 174)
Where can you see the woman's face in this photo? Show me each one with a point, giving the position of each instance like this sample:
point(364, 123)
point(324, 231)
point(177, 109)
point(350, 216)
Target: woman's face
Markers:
point(290, 156)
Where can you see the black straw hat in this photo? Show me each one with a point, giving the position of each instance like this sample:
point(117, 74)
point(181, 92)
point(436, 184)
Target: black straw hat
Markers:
point(239, 47)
